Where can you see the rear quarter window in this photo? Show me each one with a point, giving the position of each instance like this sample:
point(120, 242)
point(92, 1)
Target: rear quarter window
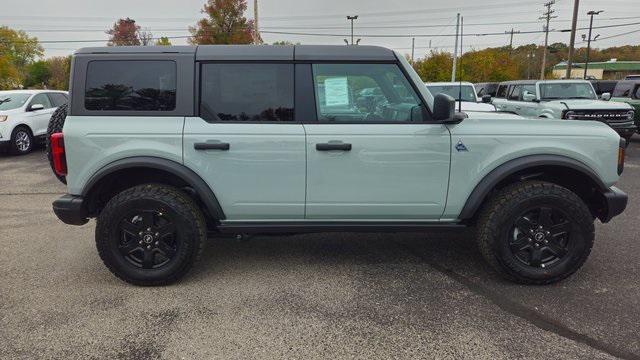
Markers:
point(130, 85)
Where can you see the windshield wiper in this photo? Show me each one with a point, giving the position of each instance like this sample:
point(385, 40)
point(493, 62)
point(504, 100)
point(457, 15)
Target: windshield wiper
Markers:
point(2, 101)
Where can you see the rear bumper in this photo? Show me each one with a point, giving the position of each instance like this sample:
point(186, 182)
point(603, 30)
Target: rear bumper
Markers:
point(70, 209)
point(615, 201)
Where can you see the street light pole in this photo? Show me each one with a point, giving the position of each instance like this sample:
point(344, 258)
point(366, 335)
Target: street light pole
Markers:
point(354, 17)
point(586, 64)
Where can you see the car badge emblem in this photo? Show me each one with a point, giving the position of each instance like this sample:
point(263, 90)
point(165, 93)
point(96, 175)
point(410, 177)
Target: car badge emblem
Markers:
point(460, 146)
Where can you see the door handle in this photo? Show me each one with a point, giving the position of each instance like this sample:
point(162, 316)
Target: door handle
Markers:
point(518, 108)
point(211, 146)
point(333, 146)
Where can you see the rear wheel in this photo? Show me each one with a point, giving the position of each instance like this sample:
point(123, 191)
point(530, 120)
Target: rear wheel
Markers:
point(21, 141)
point(535, 232)
point(150, 234)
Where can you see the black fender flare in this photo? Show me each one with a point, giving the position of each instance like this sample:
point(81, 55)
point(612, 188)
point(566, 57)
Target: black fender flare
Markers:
point(187, 175)
point(493, 178)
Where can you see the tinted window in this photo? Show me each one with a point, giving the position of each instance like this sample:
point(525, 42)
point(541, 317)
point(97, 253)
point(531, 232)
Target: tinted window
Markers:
point(364, 93)
point(502, 91)
point(41, 99)
point(623, 89)
point(58, 99)
point(247, 92)
point(131, 86)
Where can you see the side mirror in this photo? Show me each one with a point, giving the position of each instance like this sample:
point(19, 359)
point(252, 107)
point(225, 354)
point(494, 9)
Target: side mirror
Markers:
point(444, 108)
point(528, 97)
point(35, 107)
point(605, 96)
point(486, 99)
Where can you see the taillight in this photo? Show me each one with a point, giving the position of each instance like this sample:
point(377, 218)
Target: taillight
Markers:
point(621, 149)
point(57, 154)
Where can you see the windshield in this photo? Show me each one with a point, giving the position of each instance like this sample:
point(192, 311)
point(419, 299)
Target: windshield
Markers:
point(454, 91)
point(555, 91)
point(10, 101)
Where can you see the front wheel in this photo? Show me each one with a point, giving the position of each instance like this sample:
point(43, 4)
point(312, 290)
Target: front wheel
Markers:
point(150, 234)
point(21, 141)
point(535, 232)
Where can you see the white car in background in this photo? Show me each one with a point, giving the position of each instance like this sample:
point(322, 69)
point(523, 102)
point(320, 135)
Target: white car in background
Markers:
point(24, 116)
point(464, 93)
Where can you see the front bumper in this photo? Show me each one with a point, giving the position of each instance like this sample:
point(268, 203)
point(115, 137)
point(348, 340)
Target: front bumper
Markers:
point(625, 130)
point(615, 202)
point(4, 144)
point(70, 209)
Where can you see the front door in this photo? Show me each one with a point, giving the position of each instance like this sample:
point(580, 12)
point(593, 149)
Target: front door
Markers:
point(372, 154)
point(245, 143)
point(39, 119)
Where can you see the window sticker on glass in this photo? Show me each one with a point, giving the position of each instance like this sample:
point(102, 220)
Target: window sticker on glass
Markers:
point(336, 91)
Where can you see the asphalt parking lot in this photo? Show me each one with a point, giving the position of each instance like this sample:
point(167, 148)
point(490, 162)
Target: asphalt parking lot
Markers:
point(312, 296)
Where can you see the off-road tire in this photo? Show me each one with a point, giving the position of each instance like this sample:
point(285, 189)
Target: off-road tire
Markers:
point(13, 146)
point(498, 216)
point(190, 227)
point(55, 125)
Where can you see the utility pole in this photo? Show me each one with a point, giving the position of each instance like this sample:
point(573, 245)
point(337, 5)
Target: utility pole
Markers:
point(354, 17)
point(413, 49)
point(511, 37)
point(256, 31)
point(572, 40)
point(455, 51)
point(547, 17)
point(586, 63)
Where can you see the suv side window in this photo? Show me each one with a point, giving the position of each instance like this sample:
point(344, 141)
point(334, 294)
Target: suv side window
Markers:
point(364, 93)
point(133, 85)
point(637, 92)
point(502, 91)
point(41, 99)
point(58, 99)
point(514, 93)
point(623, 89)
point(246, 92)
point(531, 89)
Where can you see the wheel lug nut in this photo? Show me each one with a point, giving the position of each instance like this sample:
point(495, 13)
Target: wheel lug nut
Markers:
point(140, 242)
point(157, 243)
point(148, 246)
point(157, 234)
point(148, 229)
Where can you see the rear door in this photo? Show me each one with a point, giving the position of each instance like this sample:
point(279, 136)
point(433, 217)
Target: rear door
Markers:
point(373, 158)
point(244, 141)
point(528, 108)
point(500, 100)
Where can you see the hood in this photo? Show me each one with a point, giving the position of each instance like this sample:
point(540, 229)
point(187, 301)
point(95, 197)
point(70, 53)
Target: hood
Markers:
point(492, 115)
point(12, 111)
point(585, 104)
point(472, 106)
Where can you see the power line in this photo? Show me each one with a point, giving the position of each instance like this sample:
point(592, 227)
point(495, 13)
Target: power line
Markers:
point(501, 33)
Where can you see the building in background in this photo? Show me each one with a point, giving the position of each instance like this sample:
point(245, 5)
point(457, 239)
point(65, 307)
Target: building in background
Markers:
point(607, 70)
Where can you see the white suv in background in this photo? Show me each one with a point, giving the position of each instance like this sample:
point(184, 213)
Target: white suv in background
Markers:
point(464, 93)
point(24, 116)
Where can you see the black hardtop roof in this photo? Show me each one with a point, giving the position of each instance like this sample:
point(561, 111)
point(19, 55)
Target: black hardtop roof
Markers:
point(258, 52)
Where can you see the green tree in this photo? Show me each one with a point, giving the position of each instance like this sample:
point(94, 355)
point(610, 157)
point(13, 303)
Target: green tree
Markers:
point(38, 74)
point(163, 41)
point(60, 67)
point(436, 67)
point(284, 43)
point(17, 50)
point(224, 24)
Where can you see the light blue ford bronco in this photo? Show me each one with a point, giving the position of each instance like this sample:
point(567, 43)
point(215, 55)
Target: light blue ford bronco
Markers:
point(166, 146)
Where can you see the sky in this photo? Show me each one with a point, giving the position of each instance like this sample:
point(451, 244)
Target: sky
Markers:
point(381, 22)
